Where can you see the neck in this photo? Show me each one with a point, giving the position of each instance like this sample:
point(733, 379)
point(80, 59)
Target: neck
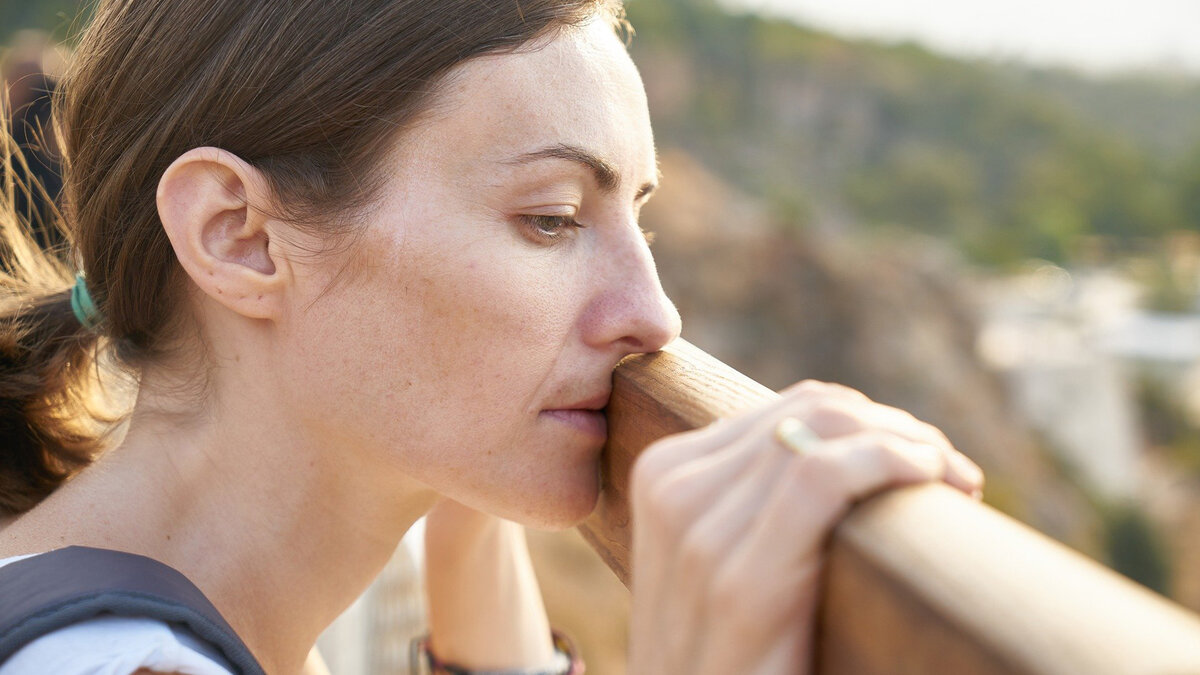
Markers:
point(279, 532)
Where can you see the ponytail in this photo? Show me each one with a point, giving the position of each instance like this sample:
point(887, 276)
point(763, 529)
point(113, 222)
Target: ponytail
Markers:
point(51, 419)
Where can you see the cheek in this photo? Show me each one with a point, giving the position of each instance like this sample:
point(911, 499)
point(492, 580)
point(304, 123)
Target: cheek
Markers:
point(433, 360)
point(487, 316)
point(458, 336)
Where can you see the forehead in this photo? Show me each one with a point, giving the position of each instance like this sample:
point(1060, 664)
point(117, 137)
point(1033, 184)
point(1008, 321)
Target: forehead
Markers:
point(578, 88)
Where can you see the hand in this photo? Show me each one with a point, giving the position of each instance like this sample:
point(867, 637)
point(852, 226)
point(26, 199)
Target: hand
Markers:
point(730, 526)
point(485, 609)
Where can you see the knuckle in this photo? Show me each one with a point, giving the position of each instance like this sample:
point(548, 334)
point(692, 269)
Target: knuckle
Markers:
point(644, 474)
point(669, 503)
point(826, 489)
point(886, 444)
point(939, 436)
point(906, 417)
point(866, 439)
point(656, 461)
point(665, 445)
point(822, 475)
point(833, 418)
point(734, 597)
point(699, 552)
point(848, 392)
point(726, 591)
point(905, 457)
point(892, 451)
point(811, 385)
point(806, 389)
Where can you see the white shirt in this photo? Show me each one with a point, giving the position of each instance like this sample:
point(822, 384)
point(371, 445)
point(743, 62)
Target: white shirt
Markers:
point(114, 646)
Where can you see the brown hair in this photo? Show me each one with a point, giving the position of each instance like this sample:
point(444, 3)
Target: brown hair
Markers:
point(309, 92)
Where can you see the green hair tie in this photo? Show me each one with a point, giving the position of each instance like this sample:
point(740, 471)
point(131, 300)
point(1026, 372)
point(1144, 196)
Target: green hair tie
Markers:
point(82, 305)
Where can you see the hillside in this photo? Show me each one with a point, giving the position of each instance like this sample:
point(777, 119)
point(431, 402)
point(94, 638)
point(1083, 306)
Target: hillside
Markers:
point(1006, 163)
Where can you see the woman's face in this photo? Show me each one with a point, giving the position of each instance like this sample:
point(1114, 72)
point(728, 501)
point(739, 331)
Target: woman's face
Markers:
point(471, 341)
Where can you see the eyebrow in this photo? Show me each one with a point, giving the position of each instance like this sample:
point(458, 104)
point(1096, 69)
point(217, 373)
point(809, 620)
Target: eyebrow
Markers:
point(606, 175)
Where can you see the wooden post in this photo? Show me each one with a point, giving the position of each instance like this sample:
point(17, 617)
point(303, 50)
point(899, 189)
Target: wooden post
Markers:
point(919, 580)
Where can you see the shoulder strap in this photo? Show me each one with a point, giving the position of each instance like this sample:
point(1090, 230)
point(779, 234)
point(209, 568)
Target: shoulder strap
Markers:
point(46, 592)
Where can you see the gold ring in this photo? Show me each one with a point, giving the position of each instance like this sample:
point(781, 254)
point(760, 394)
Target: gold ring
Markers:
point(797, 437)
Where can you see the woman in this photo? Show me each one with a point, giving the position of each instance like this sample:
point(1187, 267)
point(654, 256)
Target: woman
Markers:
point(376, 257)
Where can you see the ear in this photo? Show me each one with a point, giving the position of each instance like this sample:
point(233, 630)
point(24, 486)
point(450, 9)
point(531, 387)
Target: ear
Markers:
point(206, 201)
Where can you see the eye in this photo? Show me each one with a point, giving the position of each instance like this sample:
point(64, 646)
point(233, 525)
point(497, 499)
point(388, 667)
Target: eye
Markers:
point(543, 228)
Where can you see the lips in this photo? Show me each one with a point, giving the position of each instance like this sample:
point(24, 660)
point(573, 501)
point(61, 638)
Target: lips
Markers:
point(586, 416)
point(589, 422)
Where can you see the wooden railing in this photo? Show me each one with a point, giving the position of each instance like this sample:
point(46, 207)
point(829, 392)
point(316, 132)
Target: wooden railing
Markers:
point(919, 580)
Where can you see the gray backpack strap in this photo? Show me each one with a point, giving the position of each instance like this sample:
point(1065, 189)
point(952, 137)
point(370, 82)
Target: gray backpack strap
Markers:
point(43, 593)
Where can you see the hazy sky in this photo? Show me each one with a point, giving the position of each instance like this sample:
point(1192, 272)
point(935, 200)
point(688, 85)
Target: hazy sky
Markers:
point(1095, 34)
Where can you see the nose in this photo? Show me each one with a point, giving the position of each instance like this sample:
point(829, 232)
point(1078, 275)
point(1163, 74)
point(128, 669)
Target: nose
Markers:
point(630, 310)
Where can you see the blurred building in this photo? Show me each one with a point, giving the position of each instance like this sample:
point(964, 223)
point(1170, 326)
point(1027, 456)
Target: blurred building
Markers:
point(1073, 349)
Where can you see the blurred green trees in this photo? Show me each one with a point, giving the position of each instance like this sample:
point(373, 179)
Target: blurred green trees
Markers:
point(1136, 549)
point(1007, 162)
point(48, 15)
point(1189, 187)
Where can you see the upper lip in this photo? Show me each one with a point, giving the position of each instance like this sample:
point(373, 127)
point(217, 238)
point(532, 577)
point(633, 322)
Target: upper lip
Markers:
point(597, 402)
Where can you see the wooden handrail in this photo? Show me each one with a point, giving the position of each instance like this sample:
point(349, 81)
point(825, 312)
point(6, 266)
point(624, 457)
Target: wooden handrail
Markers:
point(919, 580)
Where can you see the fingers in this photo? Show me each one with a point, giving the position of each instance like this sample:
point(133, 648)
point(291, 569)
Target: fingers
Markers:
point(831, 417)
point(815, 491)
point(783, 543)
point(964, 474)
point(664, 511)
point(687, 517)
point(673, 451)
point(730, 524)
point(708, 540)
point(831, 411)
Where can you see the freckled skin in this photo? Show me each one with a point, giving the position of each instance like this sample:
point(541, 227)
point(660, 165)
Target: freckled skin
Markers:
point(438, 354)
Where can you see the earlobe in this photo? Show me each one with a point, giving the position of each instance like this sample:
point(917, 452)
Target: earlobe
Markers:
point(207, 204)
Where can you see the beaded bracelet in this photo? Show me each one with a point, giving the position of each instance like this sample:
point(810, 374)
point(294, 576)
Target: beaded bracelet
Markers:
point(566, 661)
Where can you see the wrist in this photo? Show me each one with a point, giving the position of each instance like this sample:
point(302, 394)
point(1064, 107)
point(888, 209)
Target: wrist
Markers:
point(450, 524)
point(484, 604)
point(566, 661)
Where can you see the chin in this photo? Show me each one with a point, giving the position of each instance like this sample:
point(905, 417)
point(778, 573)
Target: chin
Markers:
point(563, 507)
